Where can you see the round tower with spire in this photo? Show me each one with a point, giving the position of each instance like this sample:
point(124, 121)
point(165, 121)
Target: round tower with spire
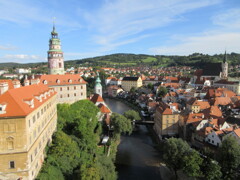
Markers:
point(55, 54)
point(98, 86)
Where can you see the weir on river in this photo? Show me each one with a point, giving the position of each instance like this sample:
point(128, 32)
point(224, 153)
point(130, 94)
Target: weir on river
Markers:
point(136, 157)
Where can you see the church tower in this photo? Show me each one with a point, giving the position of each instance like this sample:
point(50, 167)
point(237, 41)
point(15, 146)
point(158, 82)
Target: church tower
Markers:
point(225, 67)
point(55, 54)
point(98, 86)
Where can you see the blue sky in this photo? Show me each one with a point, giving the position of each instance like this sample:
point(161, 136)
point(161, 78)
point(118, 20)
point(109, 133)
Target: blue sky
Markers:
point(90, 28)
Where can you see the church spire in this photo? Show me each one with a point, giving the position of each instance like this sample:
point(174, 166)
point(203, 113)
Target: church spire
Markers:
point(225, 57)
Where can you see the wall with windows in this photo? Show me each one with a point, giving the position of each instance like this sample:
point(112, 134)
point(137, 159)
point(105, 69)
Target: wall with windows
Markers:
point(166, 125)
point(23, 140)
point(70, 93)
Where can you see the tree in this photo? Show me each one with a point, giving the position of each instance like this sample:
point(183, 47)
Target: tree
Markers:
point(211, 169)
point(65, 152)
point(174, 151)
point(192, 162)
point(120, 124)
point(132, 115)
point(49, 172)
point(132, 90)
point(162, 91)
point(150, 86)
point(229, 157)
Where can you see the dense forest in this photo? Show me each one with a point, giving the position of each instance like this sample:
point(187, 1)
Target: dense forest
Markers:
point(196, 60)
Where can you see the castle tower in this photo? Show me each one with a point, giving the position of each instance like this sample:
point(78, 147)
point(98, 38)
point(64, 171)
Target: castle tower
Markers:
point(98, 86)
point(225, 67)
point(55, 54)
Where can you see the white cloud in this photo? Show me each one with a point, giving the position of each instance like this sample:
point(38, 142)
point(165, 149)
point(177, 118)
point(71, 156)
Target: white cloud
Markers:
point(26, 12)
point(21, 58)
point(229, 19)
point(119, 20)
point(211, 43)
point(7, 47)
point(227, 36)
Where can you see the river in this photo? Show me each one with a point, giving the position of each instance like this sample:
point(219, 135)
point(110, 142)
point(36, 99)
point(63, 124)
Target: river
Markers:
point(136, 157)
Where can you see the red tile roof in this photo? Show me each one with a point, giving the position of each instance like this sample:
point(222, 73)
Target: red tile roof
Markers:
point(64, 79)
point(9, 81)
point(14, 99)
point(103, 108)
point(97, 98)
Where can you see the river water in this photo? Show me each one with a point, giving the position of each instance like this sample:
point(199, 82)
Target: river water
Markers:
point(137, 159)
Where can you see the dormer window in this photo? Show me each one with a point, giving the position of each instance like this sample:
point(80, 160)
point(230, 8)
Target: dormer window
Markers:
point(70, 81)
point(30, 102)
point(39, 97)
point(45, 82)
point(58, 81)
point(3, 108)
point(80, 80)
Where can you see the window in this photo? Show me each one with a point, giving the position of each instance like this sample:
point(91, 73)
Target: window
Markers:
point(12, 164)
point(29, 123)
point(74, 94)
point(34, 119)
point(61, 96)
point(10, 143)
point(38, 115)
point(74, 87)
point(67, 88)
point(68, 95)
point(31, 158)
point(60, 89)
point(81, 94)
point(81, 87)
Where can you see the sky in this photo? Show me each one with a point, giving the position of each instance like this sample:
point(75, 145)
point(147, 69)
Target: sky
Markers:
point(89, 28)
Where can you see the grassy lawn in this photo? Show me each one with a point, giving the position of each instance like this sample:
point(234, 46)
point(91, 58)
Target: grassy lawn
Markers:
point(149, 59)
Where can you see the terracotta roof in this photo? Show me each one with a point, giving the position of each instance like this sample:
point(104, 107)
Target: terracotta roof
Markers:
point(103, 108)
point(222, 101)
point(14, 99)
point(237, 132)
point(202, 104)
point(97, 98)
point(9, 81)
point(163, 108)
point(194, 117)
point(64, 79)
point(213, 111)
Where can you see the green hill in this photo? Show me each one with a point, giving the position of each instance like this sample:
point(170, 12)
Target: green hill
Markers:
point(196, 60)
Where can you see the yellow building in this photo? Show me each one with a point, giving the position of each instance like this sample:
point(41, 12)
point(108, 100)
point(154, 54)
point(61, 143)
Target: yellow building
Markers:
point(28, 118)
point(129, 82)
point(166, 120)
point(196, 106)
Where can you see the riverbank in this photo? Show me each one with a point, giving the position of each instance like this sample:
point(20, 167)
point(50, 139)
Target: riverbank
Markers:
point(139, 155)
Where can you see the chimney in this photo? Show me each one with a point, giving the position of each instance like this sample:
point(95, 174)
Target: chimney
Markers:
point(3, 87)
point(26, 81)
point(16, 83)
point(203, 116)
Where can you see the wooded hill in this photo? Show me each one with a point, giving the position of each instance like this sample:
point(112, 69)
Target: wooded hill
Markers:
point(196, 60)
